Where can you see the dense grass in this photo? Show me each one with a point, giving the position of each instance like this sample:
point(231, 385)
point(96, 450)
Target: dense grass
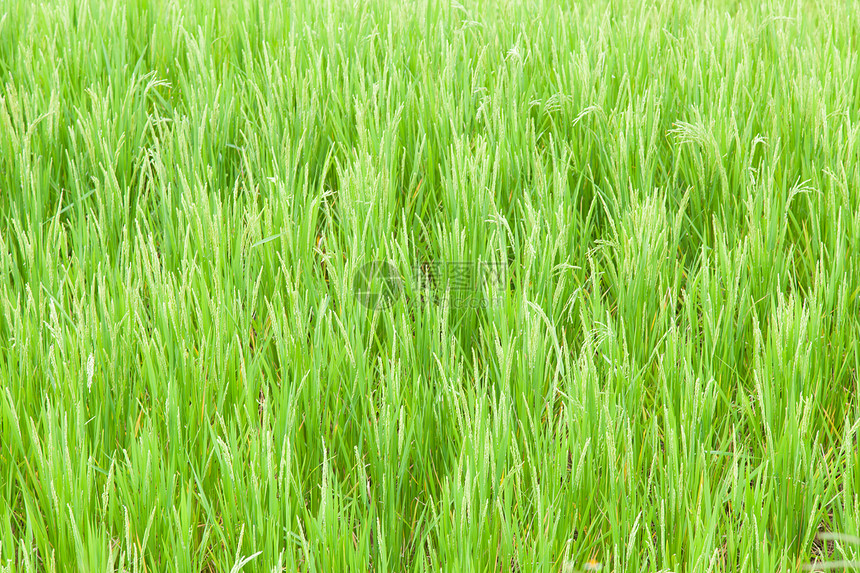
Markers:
point(669, 380)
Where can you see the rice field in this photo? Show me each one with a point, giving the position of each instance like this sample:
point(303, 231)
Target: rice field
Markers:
point(367, 285)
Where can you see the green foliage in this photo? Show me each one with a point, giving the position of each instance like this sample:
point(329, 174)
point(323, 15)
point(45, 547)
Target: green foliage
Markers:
point(669, 380)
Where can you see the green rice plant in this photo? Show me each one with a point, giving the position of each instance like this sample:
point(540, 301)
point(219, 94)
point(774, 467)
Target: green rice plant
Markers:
point(662, 374)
